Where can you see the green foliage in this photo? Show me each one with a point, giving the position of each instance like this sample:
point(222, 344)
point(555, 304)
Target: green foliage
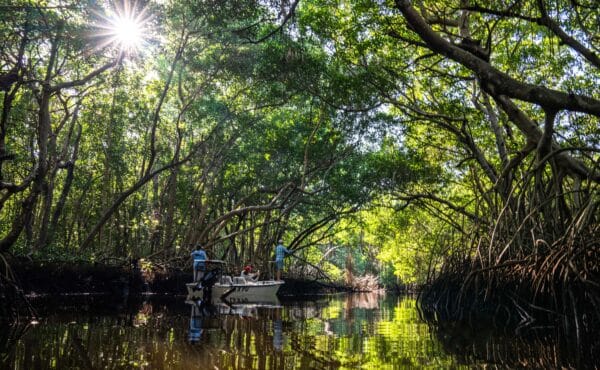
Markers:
point(236, 125)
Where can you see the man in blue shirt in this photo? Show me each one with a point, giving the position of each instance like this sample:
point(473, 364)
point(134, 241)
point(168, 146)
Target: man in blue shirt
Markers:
point(199, 256)
point(280, 253)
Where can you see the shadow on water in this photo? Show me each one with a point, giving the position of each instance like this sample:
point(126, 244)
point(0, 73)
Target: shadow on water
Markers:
point(503, 329)
point(484, 339)
point(368, 331)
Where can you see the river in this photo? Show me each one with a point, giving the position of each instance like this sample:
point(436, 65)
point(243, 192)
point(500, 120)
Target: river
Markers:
point(356, 331)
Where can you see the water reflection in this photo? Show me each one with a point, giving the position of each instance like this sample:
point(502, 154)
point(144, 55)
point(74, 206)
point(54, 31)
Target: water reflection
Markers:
point(277, 331)
point(195, 323)
point(537, 347)
point(143, 315)
point(219, 311)
point(335, 332)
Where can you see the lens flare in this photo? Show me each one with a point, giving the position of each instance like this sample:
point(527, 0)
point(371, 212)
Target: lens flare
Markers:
point(127, 33)
point(125, 28)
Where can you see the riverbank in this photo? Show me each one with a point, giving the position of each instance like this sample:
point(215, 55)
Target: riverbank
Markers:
point(43, 278)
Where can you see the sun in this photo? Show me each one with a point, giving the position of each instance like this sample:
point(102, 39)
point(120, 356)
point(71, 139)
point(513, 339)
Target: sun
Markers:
point(127, 33)
point(125, 28)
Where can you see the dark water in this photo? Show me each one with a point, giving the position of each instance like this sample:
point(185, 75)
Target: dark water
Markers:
point(366, 331)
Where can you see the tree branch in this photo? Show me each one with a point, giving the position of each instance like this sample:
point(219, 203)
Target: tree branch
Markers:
point(287, 17)
point(493, 80)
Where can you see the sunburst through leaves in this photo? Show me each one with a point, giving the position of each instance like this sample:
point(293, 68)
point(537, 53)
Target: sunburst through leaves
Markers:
point(125, 28)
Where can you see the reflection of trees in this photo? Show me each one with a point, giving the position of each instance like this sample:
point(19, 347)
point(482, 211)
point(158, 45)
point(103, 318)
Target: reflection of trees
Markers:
point(310, 356)
point(493, 341)
point(88, 341)
point(143, 315)
point(80, 351)
point(306, 309)
point(540, 349)
point(9, 337)
point(391, 336)
point(228, 341)
point(367, 300)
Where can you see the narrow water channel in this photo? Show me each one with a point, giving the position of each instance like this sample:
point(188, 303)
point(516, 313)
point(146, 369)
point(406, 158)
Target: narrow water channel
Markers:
point(359, 331)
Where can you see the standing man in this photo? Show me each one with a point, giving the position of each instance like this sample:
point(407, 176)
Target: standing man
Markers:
point(199, 256)
point(280, 253)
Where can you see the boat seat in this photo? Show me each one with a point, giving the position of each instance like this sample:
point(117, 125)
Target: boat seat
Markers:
point(226, 280)
point(239, 280)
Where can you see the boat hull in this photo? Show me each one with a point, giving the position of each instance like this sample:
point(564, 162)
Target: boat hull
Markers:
point(261, 291)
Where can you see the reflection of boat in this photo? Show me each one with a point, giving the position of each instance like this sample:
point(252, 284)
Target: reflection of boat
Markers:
point(265, 303)
point(220, 307)
point(244, 309)
point(235, 289)
point(214, 316)
point(218, 303)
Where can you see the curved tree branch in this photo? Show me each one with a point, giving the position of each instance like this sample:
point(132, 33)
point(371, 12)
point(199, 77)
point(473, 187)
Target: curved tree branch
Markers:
point(493, 80)
point(546, 21)
point(287, 17)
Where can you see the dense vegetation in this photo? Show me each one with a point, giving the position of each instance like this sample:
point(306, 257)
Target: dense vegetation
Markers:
point(444, 141)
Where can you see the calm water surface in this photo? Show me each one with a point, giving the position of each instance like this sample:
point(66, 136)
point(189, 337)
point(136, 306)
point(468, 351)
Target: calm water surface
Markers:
point(366, 331)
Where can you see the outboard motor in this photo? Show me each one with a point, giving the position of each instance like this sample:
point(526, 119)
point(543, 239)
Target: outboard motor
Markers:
point(207, 281)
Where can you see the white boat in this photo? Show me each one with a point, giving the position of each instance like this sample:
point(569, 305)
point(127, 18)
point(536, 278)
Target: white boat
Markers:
point(237, 289)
